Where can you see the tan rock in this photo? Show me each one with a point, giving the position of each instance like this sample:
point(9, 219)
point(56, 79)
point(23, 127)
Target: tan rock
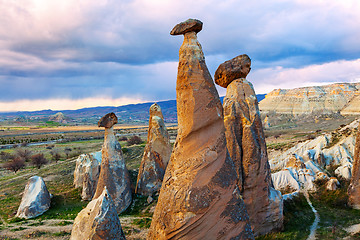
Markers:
point(247, 148)
point(156, 154)
point(113, 174)
point(199, 198)
point(86, 174)
point(333, 184)
point(35, 200)
point(98, 221)
point(354, 187)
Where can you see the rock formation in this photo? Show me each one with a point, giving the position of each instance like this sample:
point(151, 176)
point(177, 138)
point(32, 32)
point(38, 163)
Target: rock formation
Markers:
point(156, 154)
point(354, 187)
point(247, 147)
point(309, 160)
point(333, 184)
point(327, 99)
point(113, 174)
point(86, 174)
point(99, 220)
point(35, 200)
point(199, 198)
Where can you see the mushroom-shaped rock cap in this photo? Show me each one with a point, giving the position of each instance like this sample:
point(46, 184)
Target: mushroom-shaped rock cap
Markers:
point(108, 120)
point(238, 67)
point(190, 25)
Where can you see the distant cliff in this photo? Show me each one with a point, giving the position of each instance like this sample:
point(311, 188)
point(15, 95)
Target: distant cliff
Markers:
point(343, 98)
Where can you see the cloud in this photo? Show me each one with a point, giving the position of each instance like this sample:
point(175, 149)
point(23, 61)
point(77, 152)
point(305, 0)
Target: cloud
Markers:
point(90, 48)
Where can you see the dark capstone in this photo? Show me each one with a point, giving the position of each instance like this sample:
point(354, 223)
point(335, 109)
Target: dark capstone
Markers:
point(238, 67)
point(108, 120)
point(190, 25)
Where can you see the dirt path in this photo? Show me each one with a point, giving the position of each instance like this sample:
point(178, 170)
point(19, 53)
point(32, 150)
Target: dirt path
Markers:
point(316, 221)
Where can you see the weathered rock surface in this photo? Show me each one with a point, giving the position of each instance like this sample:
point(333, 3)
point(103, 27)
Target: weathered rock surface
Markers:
point(247, 147)
point(86, 174)
point(339, 97)
point(113, 174)
point(238, 67)
point(308, 160)
point(332, 184)
point(99, 220)
point(156, 154)
point(199, 198)
point(354, 187)
point(35, 200)
point(190, 25)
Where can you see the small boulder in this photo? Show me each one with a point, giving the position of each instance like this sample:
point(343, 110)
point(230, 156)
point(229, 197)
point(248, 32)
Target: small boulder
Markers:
point(332, 184)
point(35, 200)
point(190, 25)
point(99, 220)
point(238, 67)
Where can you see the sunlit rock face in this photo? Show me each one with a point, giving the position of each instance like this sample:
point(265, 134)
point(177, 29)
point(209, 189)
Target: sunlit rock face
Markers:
point(35, 200)
point(334, 98)
point(86, 174)
point(354, 187)
point(99, 220)
point(199, 197)
point(156, 154)
point(247, 147)
point(113, 174)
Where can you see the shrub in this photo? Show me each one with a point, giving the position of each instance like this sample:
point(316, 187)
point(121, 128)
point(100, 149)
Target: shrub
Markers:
point(15, 164)
point(38, 160)
point(67, 152)
point(123, 138)
point(55, 155)
point(134, 140)
point(24, 154)
point(5, 156)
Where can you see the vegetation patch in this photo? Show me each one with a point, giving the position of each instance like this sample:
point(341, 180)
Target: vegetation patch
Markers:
point(61, 234)
point(142, 222)
point(36, 234)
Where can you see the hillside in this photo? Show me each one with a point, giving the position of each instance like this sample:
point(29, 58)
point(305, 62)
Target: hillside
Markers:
point(132, 113)
point(335, 98)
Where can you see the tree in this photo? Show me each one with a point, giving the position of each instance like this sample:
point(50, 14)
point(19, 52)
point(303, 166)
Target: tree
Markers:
point(24, 154)
point(5, 156)
point(38, 160)
point(55, 155)
point(15, 164)
point(134, 140)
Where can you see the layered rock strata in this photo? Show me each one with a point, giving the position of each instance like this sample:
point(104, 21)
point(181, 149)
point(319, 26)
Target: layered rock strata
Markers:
point(199, 198)
point(99, 220)
point(113, 174)
point(354, 187)
point(156, 154)
point(86, 174)
point(35, 200)
point(247, 147)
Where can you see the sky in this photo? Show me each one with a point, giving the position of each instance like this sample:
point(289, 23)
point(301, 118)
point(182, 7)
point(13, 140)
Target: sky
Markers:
point(69, 54)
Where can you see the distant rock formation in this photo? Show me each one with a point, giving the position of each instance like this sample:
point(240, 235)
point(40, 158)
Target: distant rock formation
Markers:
point(59, 117)
point(86, 174)
point(35, 200)
point(156, 154)
point(113, 174)
point(99, 220)
point(354, 187)
point(327, 99)
point(307, 161)
point(246, 144)
point(199, 198)
point(333, 184)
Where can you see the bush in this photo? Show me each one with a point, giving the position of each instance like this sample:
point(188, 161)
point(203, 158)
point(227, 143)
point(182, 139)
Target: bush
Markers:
point(134, 140)
point(24, 154)
point(5, 156)
point(123, 138)
point(67, 152)
point(55, 155)
point(15, 164)
point(38, 160)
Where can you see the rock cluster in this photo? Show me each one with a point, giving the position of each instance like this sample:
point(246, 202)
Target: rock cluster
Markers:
point(99, 220)
point(113, 174)
point(354, 187)
point(247, 147)
point(199, 198)
point(35, 200)
point(327, 99)
point(86, 174)
point(156, 154)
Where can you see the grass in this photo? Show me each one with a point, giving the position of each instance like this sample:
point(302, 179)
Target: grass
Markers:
point(298, 218)
point(142, 222)
point(61, 234)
